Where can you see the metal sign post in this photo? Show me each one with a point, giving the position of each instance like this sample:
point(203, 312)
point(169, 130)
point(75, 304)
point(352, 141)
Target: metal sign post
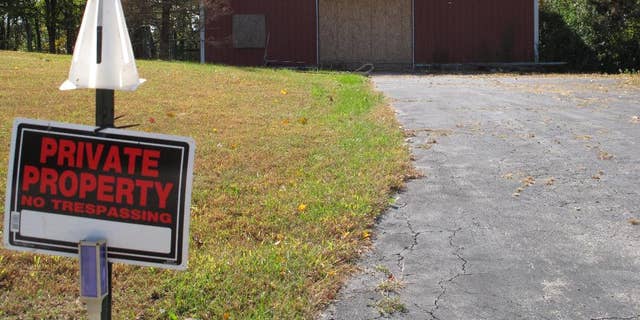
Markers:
point(105, 118)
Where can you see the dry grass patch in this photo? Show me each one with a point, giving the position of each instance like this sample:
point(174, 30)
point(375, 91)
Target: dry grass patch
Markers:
point(291, 170)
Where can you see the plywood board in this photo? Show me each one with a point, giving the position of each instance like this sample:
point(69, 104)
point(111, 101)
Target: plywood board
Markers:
point(365, 31)
point(249, 31)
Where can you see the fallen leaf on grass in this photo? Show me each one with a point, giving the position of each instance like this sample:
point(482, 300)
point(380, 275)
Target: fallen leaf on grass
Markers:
point(284, 92)
point(302, 207)
point(303, 120)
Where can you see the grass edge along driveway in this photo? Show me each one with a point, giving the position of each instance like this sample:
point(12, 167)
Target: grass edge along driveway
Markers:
point(291, 171)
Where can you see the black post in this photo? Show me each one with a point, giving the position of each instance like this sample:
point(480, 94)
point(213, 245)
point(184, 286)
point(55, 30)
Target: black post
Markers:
point(105, 119)
point(104, 108)
point(106, 303)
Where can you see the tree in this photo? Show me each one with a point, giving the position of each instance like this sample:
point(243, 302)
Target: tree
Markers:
point(591, 35)
point(71, 14)
point(51, 20)
point(165, 29)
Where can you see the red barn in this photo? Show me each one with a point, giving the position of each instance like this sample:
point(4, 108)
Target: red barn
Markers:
point(338, 33)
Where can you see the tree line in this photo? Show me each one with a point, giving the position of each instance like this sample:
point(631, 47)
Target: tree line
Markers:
point(164, 29)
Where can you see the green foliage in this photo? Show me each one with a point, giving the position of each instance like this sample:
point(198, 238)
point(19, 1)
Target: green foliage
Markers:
point(602, 35)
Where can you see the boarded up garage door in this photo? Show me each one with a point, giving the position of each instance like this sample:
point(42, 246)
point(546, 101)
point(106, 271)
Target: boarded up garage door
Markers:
point(362, 31)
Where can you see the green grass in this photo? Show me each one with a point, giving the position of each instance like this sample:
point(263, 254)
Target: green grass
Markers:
point(390, 305)
point(291, 171)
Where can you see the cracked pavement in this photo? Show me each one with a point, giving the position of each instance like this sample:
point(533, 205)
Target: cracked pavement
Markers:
point(526, 207)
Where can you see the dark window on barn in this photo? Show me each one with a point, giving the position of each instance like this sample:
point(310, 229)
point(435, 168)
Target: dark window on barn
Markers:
point(249, 31)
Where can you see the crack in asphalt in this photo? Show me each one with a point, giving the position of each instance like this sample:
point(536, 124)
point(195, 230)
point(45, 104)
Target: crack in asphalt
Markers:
point(457, 252)
point(408, 248)
point(442, 283)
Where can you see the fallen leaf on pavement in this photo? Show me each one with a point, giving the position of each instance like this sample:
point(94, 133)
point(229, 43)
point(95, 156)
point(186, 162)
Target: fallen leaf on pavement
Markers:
point(585, 137)
point(598, 175)
point(603, 155)
point(529, 181)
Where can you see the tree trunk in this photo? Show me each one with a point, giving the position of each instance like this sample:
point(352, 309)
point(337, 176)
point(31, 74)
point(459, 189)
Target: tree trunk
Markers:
point(7, 37)
point(70, 26)
point(165, 31)
point(38, 33)
point(29, 31)
point(3, 36)
point(17, 34)
point(52, 23)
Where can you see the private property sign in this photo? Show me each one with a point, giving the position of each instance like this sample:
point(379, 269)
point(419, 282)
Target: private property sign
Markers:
point(68, 183)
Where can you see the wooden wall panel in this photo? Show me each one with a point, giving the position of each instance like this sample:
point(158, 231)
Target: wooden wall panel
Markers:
point(361, 31)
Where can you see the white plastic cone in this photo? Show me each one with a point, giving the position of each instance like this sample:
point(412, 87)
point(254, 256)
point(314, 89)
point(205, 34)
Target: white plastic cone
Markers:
point(117, 69)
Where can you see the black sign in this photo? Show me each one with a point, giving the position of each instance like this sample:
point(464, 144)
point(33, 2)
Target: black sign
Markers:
point(69, 183)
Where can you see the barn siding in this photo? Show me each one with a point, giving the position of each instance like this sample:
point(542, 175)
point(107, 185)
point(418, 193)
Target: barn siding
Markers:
point(466, 31)
point(291, 25)
point(446, 31)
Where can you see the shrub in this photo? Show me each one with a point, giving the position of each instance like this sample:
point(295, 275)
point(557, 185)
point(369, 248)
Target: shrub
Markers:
point(591, 35)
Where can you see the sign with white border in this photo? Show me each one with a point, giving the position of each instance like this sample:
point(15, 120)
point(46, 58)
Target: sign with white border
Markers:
point(68, 183)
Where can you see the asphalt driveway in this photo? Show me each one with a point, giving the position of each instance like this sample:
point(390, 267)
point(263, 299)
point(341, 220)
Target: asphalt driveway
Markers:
point(527, 209)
